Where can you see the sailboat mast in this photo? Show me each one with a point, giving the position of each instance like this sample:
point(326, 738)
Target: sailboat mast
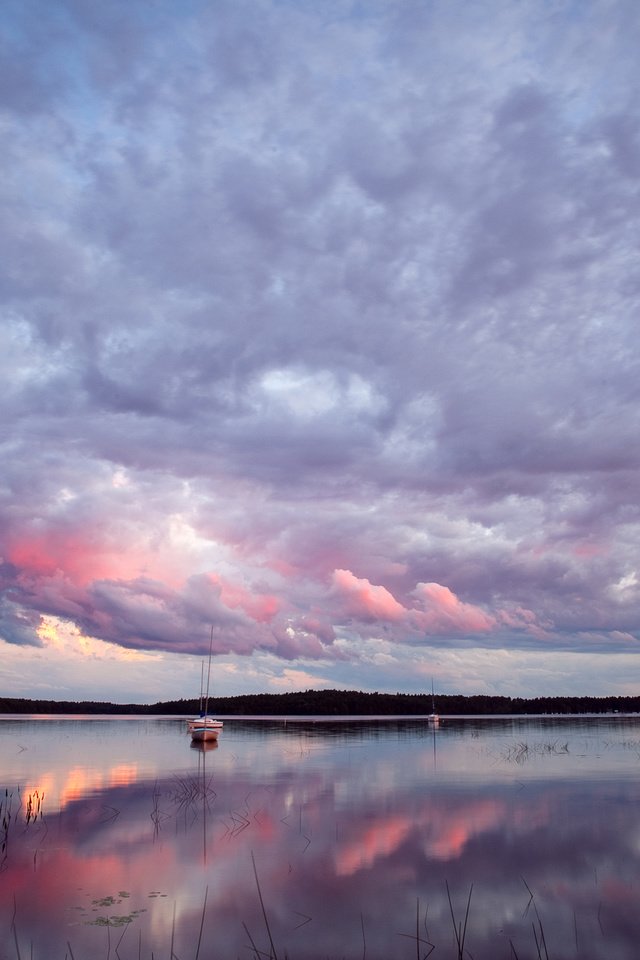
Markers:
point(206, 707)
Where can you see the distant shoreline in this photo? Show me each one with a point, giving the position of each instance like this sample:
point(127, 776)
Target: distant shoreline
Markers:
point(337, 703)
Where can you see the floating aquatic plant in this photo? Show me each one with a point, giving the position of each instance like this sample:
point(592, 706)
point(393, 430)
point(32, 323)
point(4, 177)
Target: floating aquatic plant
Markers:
point(112, 920)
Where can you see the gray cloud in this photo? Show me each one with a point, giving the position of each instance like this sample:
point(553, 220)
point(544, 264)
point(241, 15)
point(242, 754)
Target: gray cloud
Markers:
point(289, 290)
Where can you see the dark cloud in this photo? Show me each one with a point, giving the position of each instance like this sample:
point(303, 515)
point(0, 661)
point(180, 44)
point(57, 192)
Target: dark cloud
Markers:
point(17, 625)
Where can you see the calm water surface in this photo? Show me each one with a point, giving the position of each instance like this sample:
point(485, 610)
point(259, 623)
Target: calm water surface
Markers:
point(320, 840)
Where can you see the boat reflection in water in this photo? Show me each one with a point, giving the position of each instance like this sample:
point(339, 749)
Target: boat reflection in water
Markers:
point(318, 840)
point(205, 746)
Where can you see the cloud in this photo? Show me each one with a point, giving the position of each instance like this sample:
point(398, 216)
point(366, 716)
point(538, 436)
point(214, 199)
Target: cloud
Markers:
point(436, 609)
point(364, 600)
point(444, 612)
point(18, 626)
point(315, 338)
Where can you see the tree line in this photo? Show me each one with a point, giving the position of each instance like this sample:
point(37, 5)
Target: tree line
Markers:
point(336, 703)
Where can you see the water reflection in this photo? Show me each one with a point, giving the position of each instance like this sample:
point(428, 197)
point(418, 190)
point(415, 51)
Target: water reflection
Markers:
point(331, 840)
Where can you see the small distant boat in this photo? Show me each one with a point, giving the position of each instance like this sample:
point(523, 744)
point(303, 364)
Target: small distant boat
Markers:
point(433, 717)
point(205, 728)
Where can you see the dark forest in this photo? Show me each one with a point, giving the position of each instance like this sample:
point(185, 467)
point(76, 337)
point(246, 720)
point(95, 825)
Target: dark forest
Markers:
point(337, 703)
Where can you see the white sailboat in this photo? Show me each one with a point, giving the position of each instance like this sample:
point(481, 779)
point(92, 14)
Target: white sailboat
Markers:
point(205, 728)
point(433, 717)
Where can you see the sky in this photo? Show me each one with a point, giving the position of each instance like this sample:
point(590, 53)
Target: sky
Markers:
point(318, 341)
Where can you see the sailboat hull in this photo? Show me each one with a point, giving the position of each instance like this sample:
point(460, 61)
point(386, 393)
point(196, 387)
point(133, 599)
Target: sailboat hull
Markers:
point(204, 732)
point(204, 722)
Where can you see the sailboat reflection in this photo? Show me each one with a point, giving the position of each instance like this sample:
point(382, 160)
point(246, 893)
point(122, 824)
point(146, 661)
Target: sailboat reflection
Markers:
point(204, 788)
point(204, 746)
point(432, 729)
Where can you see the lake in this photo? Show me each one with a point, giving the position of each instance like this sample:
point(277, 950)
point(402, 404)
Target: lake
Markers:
point(320, 840)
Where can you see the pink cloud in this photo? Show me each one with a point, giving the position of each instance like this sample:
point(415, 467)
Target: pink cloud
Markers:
point(437, 609)
point(137, 598)
point(82, 556)
point(260, 607)
point(366, 601)
point(441, 611)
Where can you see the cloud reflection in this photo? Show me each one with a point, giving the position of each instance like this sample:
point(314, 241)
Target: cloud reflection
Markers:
point(329, 854)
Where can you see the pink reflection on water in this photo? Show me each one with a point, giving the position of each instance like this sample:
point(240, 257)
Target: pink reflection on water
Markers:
point(297, 822)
